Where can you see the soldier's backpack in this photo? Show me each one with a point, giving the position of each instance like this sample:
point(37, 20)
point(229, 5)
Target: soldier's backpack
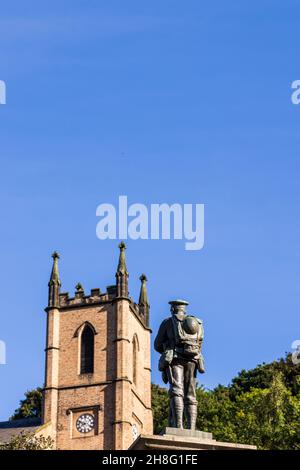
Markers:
point(188, 334)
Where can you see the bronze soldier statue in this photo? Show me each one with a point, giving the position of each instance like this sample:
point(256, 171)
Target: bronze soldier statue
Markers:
point(179, 340)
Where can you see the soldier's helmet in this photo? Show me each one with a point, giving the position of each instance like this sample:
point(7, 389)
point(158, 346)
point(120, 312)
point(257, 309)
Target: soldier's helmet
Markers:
point(190, 325)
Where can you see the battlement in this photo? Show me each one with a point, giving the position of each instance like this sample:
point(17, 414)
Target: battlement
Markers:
point(118, 291)
point(80, 298)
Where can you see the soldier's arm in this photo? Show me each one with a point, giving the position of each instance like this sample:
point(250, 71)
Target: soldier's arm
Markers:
point(161, 338)
point(201, 334)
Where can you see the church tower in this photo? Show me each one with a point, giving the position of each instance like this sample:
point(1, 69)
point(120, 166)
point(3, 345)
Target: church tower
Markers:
point(97, 392)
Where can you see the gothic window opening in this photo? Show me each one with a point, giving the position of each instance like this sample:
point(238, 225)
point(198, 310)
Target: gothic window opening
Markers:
point(87, 351)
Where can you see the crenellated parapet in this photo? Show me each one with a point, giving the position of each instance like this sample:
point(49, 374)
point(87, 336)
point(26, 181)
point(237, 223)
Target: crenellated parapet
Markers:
point(113, 293)
point(80, 298)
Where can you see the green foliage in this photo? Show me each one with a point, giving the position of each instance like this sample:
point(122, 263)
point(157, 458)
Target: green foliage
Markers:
point(269, 417)
point(260, 406)
point(262, 376)
point(160, 408)
point(31, 406)
point(215, 411)
point(28, 441)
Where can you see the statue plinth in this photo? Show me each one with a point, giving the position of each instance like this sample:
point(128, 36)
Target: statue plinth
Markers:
point(186, 433)
point(184, 439)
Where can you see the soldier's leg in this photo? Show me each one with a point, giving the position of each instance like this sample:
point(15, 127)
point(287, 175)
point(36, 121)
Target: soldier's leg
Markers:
point(171, 420)
point(176, 393)
point(190, 400)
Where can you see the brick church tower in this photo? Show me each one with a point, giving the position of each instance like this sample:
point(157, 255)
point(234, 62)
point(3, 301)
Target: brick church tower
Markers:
point(97, 391)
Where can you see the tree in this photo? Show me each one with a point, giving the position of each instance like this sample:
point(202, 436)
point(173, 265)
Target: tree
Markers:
point(28, 441)
point(215, 413)
point(262, 376)
point(31, 406)
point(269, 417)
point(160, 408)
point(261, 406)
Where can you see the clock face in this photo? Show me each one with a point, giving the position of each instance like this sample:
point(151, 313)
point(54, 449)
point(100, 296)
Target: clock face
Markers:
point(85, 423)
point(134, 432)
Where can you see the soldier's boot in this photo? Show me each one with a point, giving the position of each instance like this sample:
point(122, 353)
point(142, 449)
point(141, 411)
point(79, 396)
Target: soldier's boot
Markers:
point(177, 409)
point(191, 415)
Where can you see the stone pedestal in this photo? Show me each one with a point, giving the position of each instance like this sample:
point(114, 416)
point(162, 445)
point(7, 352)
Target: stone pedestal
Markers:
point(184, 439)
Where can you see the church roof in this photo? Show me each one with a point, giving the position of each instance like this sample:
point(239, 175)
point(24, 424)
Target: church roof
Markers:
point(8, 429)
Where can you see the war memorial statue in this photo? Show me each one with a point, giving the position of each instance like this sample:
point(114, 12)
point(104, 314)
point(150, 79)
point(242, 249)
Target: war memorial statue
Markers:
point(179, 340)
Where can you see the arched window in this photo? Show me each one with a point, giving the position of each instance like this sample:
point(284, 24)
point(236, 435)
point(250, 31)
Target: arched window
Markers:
point(87, 351)
point(135, 348)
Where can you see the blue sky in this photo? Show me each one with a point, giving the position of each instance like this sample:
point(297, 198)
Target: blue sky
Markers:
point(164, 102)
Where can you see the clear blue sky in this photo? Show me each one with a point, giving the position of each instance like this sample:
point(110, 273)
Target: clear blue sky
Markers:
point(165, 101)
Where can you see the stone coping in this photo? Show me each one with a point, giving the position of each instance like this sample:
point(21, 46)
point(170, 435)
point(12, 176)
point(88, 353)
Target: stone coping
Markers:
point(185, 439)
